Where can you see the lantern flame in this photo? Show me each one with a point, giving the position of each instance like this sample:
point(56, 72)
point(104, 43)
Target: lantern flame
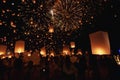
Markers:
point(99, 51)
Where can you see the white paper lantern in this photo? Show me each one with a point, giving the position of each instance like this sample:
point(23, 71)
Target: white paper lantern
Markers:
point(100, 43)
point(20, 46)
point(3, 49)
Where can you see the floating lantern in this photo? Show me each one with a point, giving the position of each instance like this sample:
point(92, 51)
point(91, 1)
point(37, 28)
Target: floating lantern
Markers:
point(79, 52)
point(3, 49)
point(52, 53)
point(100, 43)
point(66, 50)
point(20, 46)
point(72, 44)
point(51, 29)
point(43, 51)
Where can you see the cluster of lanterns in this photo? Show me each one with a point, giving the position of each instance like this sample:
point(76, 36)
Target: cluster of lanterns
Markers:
point(99, 45)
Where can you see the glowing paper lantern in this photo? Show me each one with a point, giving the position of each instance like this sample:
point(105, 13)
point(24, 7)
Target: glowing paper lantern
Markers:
point(20, 46)
point(79, 52)
point(43, 51)
point(100, 43)
point(3, 49)
point(51, 29)
point(66, 50)
point(52, 53)
point(72, 44)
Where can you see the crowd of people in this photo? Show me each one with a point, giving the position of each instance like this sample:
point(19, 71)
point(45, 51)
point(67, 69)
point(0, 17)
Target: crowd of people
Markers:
point(60, 68)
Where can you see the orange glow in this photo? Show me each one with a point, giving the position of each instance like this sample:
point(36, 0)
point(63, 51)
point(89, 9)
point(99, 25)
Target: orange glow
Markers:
point(51, 29)
point(1, 53)
point(12, 24)
point(52, 54)
point(3, 49)
point(29, 55)
point(99, 51)
point(43, 51)
point(10, 56)
point(72, 44)
point(3, 57)
point(19, 50)
point(79, 52)
point(100, 43)
point(19, 46)
point(66, 50)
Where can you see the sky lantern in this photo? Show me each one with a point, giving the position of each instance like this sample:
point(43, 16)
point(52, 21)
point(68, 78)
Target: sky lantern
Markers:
point(20, 46)
point(3, 49)
point(52, 53)
point(66, 50)
point(72, 44)
point(43, 51)
point(100, 43)
point(51, 29)
point(79, 52)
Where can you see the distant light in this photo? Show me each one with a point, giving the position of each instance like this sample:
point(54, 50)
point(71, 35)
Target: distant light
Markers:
point(4, 1)
point(115, 15)
point(52, 13)
point(119, 51)
point(29, 54)
point(13, 4)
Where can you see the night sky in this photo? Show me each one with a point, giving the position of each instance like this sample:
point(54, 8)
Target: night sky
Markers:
point(29, 20)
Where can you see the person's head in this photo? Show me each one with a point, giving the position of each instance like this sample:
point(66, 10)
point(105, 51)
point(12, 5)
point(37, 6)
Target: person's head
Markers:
point(30, 64)
point(18, 64)
point(67, 61)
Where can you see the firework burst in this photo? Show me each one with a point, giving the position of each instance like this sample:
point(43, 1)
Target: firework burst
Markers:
point(36, 13)
point(72, 14)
